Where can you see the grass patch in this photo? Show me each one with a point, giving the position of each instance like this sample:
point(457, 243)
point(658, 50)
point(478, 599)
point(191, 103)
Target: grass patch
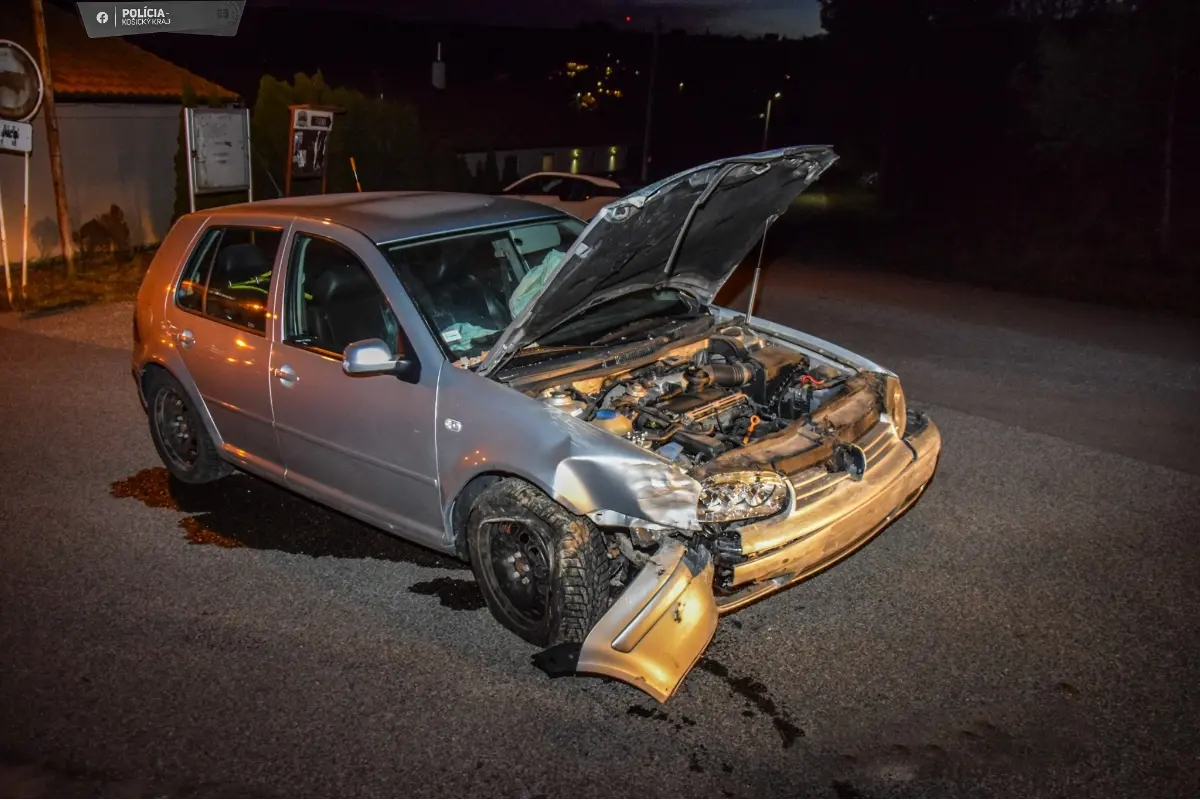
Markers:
point(105, 280)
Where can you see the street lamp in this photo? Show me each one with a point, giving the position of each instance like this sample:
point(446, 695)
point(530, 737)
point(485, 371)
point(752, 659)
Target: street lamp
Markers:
point(767, 124)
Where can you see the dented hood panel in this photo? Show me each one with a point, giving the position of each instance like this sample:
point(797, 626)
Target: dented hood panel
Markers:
point(659, 626)
point(687, 232)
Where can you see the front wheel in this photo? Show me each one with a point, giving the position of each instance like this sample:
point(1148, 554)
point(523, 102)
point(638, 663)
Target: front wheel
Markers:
point(182, 441)
point(543, 571)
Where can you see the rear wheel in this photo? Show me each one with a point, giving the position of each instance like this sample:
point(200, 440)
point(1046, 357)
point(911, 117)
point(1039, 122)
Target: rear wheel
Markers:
point(182, 441)
point(543, 571)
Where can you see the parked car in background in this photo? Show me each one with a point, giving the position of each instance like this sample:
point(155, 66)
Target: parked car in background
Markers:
point(579, 195)
point(561, 405)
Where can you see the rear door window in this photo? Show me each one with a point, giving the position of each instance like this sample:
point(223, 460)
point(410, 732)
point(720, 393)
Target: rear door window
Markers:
point(228, 276)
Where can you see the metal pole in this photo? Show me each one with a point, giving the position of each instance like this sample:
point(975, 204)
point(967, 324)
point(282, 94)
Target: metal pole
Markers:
point(650, 101)
point(354, 169)
point(25, 232)
point(188, 115)
point(757, 270)
point(4, 247)
point(767, 125)
point(52, 140)
point(291, 153)
point(249, 161)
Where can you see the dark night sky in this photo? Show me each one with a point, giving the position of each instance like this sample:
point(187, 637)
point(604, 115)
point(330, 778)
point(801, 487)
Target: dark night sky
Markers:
point(792, 18)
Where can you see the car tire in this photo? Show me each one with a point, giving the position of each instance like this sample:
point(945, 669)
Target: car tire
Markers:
point(544, 572)
point(182, 441)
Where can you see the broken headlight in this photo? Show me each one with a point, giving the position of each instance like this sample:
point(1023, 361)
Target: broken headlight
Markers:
point(894, 404)
point(741, 495)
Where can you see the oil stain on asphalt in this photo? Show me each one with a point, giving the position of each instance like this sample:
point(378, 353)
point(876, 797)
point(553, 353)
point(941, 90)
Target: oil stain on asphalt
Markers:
point(453, 593)
point(755, 693)
point(241, 511)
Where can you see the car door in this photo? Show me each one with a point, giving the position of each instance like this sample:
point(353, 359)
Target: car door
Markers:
point(363, 444)
point(219, 321)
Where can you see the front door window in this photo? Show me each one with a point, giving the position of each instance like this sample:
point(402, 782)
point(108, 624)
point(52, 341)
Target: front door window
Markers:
point(333, 301)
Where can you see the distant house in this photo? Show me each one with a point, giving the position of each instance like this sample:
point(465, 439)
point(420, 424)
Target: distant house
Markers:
point(527, 132)
point(587, 160)
point(118, 115)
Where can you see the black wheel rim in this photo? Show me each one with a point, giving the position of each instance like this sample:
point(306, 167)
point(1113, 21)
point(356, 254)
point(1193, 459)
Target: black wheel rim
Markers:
point(522, 569)
point(173, 420)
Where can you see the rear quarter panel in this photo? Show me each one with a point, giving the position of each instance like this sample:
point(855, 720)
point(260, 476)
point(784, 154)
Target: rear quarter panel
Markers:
point(153, 308)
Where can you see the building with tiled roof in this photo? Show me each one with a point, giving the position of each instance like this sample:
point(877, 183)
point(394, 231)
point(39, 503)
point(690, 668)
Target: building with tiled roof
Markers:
point(106, 69)
point(119, 117)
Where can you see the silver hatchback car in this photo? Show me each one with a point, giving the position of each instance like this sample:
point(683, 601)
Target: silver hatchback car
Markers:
point(562, 405)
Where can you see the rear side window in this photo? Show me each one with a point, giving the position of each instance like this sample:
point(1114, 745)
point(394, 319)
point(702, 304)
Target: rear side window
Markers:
point(228, 276)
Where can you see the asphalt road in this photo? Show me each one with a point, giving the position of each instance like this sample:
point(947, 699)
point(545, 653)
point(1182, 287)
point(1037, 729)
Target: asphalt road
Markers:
point(1030, 628)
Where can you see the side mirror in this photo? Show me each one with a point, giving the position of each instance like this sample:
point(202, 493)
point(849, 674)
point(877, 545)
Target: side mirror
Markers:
point(374, 357)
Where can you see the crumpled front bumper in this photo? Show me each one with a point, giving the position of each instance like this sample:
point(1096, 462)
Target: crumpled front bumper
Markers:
point(815, 534)
point(663, 621)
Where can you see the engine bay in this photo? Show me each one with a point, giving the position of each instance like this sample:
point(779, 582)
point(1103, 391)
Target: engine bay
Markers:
point(693, 405)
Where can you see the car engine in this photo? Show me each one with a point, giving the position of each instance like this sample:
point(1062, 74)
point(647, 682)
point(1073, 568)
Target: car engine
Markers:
point(693, 407)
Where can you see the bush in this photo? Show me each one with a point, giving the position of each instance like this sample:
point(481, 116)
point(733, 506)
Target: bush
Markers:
point(383, 137)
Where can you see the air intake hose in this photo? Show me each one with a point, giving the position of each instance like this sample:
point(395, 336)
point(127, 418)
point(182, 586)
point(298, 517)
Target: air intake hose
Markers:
point(730, 375)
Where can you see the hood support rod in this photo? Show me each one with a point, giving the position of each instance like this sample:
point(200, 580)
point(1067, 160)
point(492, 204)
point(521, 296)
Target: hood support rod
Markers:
point(757, 270)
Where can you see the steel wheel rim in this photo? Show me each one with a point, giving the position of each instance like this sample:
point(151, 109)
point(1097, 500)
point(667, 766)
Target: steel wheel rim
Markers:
point(175, 429)
point(521, 567)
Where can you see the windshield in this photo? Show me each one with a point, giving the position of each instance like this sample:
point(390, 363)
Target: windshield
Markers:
point(470, 286)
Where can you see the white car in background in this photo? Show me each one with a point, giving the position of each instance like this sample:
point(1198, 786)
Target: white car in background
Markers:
point(580, 196)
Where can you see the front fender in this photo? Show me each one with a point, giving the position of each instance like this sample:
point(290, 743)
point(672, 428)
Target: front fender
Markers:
point(486, 427)
point(627, 485)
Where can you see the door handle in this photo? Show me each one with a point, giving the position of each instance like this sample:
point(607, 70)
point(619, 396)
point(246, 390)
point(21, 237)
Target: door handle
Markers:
point(286, 375)
point(185, 338)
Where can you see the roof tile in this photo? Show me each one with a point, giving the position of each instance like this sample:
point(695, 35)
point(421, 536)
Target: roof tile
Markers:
point(103, 68)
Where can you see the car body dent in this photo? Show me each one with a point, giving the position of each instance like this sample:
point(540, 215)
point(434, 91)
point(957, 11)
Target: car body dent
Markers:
point(660, 625)
point(582, 467)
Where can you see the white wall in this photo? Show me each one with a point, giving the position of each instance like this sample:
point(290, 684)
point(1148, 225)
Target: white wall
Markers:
point(591, 159)
point(112, 153)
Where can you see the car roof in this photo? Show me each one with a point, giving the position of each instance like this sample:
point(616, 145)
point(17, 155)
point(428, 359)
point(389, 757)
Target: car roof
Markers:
point(596, 179)
point(391, 216)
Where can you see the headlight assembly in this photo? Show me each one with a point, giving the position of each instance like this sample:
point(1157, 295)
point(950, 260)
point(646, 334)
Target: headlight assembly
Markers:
point(895, 405)
point(741, 495)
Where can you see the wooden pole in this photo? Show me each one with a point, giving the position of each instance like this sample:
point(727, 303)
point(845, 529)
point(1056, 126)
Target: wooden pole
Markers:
point(52, 140)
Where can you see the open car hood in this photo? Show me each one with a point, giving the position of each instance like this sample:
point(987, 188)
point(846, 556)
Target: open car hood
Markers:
point(687, 232)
